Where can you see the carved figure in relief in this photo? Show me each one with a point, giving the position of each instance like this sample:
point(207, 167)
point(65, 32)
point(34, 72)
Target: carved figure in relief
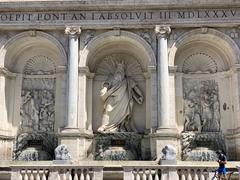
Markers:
point(28, 110)
point(201, 106)
point(118, 94)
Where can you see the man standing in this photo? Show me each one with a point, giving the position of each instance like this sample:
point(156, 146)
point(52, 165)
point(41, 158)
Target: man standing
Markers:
point(222, 160)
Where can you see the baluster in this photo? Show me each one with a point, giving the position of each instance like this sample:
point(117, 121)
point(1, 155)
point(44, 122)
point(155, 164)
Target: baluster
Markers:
point(82, 175)
point(133, 175)
point(150, 175)
point(20, 175)
point(156, 175)
point(195, 175)
point(137, 175)
point(202, 177)
point(25, 175)
point(44, 175)
point(69, 174)
point(144, 177)
point(88, 175)
point(31, 175)
point(58, 176)
point(64, 175)
point(75, 175)
point(37, 174)
point(183, 177)
point(189, 177)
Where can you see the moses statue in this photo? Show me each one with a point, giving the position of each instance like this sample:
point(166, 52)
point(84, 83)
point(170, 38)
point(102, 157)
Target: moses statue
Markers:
point(118, 94)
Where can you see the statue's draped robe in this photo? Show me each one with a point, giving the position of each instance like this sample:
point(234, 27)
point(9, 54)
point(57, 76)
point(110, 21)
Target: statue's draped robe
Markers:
point(118, 104)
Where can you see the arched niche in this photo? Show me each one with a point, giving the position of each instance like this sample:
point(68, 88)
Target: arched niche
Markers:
point(101, 55)
point(35, 79)
point(204, 87)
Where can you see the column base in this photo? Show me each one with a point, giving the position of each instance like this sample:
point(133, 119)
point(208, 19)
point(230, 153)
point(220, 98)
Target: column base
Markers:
point(77, 142)
point(169, 131)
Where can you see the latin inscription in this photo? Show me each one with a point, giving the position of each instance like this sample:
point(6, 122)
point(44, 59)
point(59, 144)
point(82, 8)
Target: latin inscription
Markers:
point(141, 16)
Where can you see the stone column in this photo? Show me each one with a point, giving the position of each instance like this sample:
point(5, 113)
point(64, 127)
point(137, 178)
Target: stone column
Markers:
point(166, 133)
point(72, 100)
point(162, 33)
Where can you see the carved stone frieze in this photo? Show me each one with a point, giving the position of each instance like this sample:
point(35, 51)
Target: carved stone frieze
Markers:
point(201, 106)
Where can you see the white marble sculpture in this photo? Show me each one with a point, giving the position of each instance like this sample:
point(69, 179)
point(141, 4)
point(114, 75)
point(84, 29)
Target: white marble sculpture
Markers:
point(118, 94)
point(62, 153)
point(169, 152)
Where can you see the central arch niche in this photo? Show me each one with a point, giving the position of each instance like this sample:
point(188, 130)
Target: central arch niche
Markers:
point(102, 55)
point(138, 57)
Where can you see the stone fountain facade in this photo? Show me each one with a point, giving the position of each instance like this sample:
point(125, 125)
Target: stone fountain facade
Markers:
point(119, 85)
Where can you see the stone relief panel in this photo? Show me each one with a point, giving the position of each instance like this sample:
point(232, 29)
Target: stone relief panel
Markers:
point(38, 96)
point(201, 135)
point(201, 105)
point(37, 111)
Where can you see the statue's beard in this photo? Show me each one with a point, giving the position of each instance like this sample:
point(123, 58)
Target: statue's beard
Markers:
point(118, 77)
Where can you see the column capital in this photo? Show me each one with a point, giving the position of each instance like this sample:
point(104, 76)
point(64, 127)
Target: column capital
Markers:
point(73, 30)
point(162, 30)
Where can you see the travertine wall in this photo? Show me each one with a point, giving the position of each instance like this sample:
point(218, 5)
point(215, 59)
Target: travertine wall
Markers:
point(201, 52)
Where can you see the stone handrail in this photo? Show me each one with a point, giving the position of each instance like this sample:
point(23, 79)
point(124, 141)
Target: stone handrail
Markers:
point(170, 172)
point(56, 172)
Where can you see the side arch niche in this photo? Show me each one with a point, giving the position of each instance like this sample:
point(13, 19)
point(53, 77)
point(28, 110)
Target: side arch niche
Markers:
point(204, 91)
point(106, 56)
point(36, 63)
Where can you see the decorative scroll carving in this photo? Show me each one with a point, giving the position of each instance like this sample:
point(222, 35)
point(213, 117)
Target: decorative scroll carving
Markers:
point(201, 106)
point(72, 30)
point(162, 31)
point(199, 63)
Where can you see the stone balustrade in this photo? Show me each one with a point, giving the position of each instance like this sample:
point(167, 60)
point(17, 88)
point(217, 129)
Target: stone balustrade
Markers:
point(168, 173)
point(57, 172)
point(83, 172)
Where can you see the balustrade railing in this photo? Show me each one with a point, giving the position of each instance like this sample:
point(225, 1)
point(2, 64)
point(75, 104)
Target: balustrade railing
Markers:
point(149, 172)
point(55, 172)
point(168, 173)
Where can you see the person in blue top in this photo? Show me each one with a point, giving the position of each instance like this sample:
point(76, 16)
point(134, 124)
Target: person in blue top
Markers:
point(222, 160)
